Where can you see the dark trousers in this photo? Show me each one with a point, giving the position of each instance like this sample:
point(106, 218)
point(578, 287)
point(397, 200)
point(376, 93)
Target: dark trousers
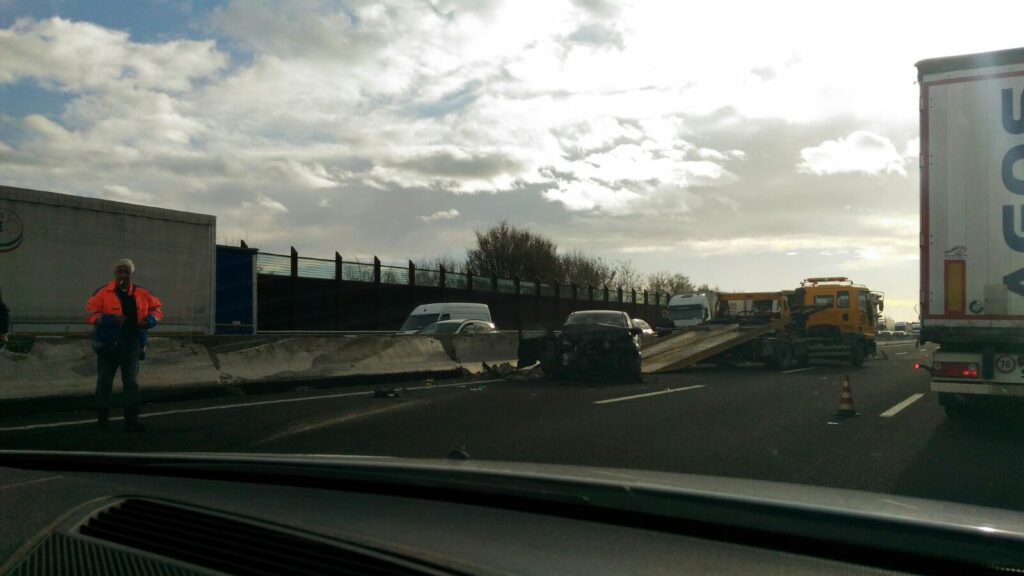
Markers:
point(123, 356)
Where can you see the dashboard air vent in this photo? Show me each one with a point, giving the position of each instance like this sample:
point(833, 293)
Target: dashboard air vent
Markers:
point(234, 546)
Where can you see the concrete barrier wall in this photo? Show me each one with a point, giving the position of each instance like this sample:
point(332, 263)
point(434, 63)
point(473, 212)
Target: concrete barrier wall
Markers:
point(471, 351)
point(67, 366)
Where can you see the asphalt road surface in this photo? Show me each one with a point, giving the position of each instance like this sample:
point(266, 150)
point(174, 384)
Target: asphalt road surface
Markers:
point(749, 422)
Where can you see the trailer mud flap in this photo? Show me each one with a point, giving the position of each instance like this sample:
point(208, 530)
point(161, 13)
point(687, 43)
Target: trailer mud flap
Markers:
point(988, 364)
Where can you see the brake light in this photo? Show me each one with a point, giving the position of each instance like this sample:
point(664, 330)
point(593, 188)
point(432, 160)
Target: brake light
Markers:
point(955, 369)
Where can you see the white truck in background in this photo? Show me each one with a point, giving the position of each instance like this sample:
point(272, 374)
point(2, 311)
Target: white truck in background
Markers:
point(900, 329)
point(972, 224)
point(686, 310)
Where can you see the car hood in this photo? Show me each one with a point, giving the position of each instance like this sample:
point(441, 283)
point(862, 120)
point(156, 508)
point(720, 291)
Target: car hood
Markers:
point(587, 331)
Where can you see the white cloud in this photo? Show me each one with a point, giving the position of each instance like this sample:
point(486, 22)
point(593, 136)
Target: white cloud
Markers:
point(894, 223)
point(590, 195)
point(880, 256)
point(646, 249)
point(861, 151)
point(269, 204)
point(913, 148)
point(441, 215)
point(83, 56)
point(126, 194)
point(878, 247)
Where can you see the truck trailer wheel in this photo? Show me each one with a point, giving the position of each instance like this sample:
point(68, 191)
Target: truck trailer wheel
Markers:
point(784, 356)
point(955, 405)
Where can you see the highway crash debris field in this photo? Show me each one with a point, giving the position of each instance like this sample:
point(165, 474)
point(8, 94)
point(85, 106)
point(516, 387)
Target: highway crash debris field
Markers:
point(825, 319)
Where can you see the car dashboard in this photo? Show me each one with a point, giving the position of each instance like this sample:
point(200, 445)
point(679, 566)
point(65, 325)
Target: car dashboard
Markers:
point(108, 514)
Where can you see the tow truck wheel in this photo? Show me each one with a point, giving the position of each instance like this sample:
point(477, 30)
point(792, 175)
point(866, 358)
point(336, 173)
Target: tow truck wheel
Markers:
point(784, 356)
point(857, 354)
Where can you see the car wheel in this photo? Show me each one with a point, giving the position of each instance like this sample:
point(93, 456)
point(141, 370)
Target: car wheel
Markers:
point(636, 371)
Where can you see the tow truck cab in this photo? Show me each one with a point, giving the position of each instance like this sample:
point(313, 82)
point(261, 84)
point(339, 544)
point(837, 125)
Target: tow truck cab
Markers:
point(842, 309)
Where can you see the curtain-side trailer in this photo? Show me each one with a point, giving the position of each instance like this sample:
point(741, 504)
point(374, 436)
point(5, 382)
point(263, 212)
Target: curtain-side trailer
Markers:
point(972, 224)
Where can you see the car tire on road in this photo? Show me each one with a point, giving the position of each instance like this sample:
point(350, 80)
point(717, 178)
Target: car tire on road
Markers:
point(636, 371)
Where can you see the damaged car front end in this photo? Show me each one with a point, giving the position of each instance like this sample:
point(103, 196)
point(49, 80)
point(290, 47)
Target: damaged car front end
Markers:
point(593, 345)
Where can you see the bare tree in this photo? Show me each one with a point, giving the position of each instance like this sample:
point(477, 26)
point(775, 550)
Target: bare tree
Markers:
point(507, 251)
point(663, 281)
point(627, 277)
point(451, 265)
point(576, 268)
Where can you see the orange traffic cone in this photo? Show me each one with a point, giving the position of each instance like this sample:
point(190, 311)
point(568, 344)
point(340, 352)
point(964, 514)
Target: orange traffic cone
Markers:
point(846, 401)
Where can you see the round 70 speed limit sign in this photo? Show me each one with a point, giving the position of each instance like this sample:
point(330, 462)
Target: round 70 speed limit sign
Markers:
point(1005, 363)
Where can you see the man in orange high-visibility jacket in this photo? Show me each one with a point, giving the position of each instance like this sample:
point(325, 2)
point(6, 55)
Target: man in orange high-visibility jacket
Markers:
point(121, 314)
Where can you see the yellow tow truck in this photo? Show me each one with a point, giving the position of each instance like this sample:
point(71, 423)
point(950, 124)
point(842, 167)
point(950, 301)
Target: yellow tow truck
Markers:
point(825, 319)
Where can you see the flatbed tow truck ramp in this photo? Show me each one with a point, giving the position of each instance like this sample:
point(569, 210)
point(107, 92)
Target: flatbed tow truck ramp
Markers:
point(700, 343)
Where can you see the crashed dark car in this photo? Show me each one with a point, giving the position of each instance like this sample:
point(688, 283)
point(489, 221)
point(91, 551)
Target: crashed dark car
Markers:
point(593, 345)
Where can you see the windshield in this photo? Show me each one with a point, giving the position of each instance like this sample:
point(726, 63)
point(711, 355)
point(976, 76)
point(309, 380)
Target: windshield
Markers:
point(685, 312)
point(612, 319)
point(220, 221)
point(418, 321)
point(441, 328)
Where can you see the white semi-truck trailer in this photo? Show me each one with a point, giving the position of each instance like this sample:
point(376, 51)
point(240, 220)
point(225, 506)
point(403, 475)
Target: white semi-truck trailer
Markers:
point(57, 249)
point(972, 224)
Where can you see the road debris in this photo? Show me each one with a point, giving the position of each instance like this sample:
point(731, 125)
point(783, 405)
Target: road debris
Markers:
point(498, 370)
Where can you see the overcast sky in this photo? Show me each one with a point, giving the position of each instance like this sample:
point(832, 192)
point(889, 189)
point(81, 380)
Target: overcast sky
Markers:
point(746, 144)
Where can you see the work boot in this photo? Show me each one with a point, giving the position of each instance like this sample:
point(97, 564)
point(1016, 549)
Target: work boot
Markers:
point(103, 419)
point(133, 425)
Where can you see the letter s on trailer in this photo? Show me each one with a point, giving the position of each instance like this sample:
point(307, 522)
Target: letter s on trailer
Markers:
point(972, 224)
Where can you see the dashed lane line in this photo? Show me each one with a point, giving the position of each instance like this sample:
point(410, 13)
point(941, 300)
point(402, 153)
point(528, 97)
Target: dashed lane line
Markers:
point(658, 393)
point(896, 409)
point(800, 370)
point(241, 405)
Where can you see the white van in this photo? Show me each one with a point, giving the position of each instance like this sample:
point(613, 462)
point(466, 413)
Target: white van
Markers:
point(426, 314)
point(691, 309)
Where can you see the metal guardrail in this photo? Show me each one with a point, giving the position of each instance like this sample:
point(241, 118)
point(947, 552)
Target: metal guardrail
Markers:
point(307, 267)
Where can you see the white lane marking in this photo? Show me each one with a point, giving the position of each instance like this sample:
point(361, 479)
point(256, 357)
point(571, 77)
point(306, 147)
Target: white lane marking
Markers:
point(635, 396)
point(800, 370)
point(895, 409)
point(902, 353)
point(241, 405)
point(304, 427)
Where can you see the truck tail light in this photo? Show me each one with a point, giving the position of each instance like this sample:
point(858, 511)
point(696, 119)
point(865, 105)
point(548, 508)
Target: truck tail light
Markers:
point(955, 369)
